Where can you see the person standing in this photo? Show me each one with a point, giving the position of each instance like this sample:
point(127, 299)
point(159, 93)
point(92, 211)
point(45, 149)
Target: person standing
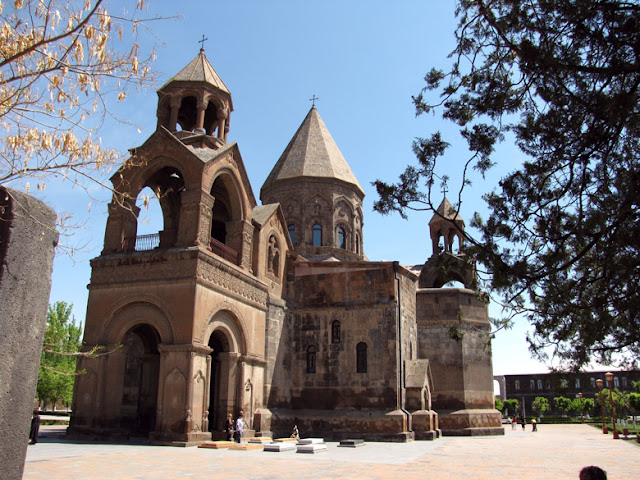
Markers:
point(237, 434)
point(514, 423)
point(229, 427)
point(534, 425)
point(523, 422)
point(35, 428)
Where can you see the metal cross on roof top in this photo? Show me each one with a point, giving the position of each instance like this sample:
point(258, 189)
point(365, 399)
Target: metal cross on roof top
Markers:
point(444, 188)
point(313, 99)
point(202, 42)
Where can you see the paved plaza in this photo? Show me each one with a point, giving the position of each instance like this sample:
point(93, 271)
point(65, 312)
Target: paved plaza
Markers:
point(554, 452)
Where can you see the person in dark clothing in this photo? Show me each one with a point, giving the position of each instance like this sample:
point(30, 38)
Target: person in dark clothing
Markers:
point(523, 422)
point(35, 428)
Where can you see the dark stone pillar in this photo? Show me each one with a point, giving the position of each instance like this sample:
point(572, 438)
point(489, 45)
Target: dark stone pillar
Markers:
point(27, 241)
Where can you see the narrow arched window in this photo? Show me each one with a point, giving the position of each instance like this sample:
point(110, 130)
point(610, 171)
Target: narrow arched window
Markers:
point(317, 235)
point(592, 381)
point(616, 382)
point(532, 384)
point(335, 332)
point(361, 358)
point(516, 385)
point(311, 359)
point(577, 383)
point(357, 244)
point(342, 238)
point(539, 384)
point(292, 233)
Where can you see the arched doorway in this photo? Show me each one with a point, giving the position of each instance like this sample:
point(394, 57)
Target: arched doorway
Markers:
point(140, 382)
point(219, 384)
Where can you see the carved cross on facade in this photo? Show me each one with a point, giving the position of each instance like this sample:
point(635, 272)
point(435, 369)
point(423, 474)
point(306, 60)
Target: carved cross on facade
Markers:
point(201, 42)
point(313, 99)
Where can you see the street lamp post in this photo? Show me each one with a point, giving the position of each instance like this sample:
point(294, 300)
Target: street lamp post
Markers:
point(609, 377)
point(599, 382)
point(581, 409)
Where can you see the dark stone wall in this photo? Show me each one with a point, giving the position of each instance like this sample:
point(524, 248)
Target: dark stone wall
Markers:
point(27, 241)
point(362, 297)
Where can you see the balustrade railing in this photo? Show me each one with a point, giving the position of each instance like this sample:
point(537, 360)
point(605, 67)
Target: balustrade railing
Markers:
point(223, 251)
point(141, 243)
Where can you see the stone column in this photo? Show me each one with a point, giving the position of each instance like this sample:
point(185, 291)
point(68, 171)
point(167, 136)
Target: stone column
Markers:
point(175, 103)
point(202, 107)
point(195, 218)
point(240, 238)
point(222, 114)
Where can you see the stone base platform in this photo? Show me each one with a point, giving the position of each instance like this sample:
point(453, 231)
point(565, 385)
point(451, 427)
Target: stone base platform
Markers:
point(286, 439)
point(311, 448)
point(352, 443)
point(471, 422)
point(280, 447)
point(246, 446)
point(218, 444)
point(262, 440)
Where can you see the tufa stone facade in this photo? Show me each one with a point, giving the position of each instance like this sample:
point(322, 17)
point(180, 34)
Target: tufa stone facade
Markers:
point(271, 309)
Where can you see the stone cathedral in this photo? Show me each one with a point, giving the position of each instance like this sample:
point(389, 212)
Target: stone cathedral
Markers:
point(271, 309)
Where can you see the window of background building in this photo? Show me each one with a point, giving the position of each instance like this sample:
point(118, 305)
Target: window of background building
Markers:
point(592, 381)
point(516, 384)
point(624, 382)
point(616, 383)
point(532, 384)
point(577, 383)
point(539, 384)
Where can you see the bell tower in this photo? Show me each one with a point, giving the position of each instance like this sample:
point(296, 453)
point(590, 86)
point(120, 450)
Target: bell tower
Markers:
point(196, 100)
point(447, 262)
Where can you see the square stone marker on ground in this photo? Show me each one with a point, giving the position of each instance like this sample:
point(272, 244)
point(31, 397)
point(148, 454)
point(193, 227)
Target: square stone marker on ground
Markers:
point(309, 441)
point(217, 444)
point(352, 443)
point(279, 447)
point(312, 448)
point(246, 446)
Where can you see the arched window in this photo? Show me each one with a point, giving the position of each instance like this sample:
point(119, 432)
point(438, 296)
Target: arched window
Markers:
point(357, 244)
point(592, 381)
point(342, 238)
point(292, 233)
point(616, 382)
point(539, 384)
point(516, 385)
point(361, 358)
point(335, 332)
point(532, 384)
point(317, 235)
point(311, 359)
point(577, 383)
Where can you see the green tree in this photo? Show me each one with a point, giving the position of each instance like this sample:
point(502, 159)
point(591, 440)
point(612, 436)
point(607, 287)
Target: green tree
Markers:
point(540, 405)
point(499, 405)
point(634, 406)
point(62, 342)
point(512, 405)
point(562, 404)
point(560, 241)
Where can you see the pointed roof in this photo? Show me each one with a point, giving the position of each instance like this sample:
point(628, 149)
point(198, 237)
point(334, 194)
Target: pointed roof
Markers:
point(312, 152)
point(447, 211)
point(199, 70)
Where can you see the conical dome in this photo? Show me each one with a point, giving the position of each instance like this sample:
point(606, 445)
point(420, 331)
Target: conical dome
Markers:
point(312, 152)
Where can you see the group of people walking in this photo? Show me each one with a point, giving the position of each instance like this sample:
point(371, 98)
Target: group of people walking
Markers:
point(523, 422)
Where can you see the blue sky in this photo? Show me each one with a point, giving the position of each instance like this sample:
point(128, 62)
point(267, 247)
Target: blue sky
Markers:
point(362, 59)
